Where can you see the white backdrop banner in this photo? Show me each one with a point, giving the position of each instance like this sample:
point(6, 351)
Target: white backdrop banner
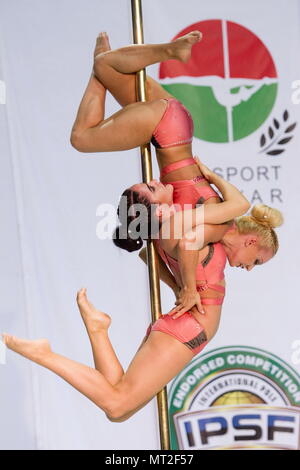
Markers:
point(242, 88)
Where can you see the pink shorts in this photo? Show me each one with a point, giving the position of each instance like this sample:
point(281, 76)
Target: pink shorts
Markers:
point(185, 328)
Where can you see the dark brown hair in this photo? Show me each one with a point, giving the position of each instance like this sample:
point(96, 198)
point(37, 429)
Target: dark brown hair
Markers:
point(129, 242)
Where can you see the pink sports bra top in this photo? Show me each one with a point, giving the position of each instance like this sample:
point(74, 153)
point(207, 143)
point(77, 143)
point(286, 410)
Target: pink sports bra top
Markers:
point(210, 271)
point(175, 128)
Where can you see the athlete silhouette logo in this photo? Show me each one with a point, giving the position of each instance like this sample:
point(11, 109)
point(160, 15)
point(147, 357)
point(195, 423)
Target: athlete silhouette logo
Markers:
point(222, 87)
point(229, 85)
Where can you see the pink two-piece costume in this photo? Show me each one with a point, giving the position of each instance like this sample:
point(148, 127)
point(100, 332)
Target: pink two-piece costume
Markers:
point(176, 128)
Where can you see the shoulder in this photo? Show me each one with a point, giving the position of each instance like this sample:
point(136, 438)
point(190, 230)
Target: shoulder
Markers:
point(214, 233)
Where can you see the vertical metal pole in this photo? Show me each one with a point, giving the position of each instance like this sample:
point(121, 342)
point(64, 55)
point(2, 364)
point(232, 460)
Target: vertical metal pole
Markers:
point(162, 398)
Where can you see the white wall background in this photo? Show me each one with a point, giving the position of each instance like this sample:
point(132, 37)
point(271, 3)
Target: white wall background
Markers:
point(49, 196)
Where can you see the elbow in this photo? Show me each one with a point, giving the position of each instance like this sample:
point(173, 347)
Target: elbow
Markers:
point(77, 141)
point(187, 242)
point(237, 210)
point(241, 207)
point(181, 246)
point(245, 206)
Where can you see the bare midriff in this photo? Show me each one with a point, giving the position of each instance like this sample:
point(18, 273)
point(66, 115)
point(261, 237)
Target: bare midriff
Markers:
point(174, 154)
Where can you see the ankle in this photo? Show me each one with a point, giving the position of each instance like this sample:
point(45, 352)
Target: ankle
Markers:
point(96, 332)
point(42, 357)
point(170, 51)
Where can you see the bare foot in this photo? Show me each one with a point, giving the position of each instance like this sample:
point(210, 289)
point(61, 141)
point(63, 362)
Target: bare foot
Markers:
point(102, 44)
point(182, 47)
point(94, 320)
point(31, 349)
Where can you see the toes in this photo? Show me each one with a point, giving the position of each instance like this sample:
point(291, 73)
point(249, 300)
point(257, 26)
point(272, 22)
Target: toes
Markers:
point(81, 296)
point(196, 35)
point(102, 36)
point(7, 339)
point(4, 336)
point(80, 293)
point(83, 289)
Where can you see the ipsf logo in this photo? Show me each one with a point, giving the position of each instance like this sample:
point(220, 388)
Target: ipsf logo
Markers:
point(235, 397)
point(2, 92)
point(239, 427)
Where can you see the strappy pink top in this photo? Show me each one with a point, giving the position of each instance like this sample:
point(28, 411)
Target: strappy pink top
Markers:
point(211, 269)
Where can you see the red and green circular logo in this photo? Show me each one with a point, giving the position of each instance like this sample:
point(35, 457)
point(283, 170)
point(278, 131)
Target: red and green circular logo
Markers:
point(230, 83)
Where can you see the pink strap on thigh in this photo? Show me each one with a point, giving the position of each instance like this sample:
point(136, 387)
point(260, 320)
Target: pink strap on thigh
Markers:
point(212, 301)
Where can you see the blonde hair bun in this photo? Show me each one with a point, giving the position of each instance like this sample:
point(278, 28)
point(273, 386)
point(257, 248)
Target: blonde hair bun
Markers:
point(266, 215)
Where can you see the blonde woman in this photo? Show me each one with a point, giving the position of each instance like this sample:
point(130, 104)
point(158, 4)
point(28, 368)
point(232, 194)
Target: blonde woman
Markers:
point(167, 349)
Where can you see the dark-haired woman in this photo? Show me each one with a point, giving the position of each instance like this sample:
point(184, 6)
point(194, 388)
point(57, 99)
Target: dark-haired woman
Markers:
point(162, 119)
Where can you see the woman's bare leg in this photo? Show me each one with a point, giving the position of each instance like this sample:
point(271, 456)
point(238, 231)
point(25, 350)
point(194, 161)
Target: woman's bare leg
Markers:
point(160, 359)
point(126, 129)
point(92, 106)
point(132, 126)
point(123, 86)
point(132, 58)
point(129, 128)
point(97, 324)
point(86, 380)
point(116, 69)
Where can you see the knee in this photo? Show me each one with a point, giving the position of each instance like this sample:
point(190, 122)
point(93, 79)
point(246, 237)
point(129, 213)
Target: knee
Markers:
point(117, 418)
point(187, 240)
point(117, 414)
point(119, 409)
